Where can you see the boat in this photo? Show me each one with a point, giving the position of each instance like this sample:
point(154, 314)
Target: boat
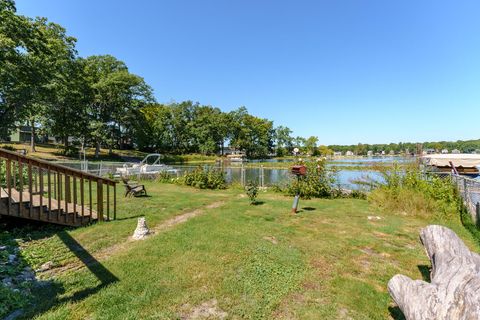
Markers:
point(462, 163)
point(150, 165)
point(236, 158)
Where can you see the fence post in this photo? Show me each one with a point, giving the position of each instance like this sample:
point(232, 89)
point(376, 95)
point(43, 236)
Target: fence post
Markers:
point(477, 211)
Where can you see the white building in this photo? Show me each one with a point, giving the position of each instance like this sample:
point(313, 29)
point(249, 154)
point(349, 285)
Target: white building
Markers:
point(444, 151)
point(349, 153)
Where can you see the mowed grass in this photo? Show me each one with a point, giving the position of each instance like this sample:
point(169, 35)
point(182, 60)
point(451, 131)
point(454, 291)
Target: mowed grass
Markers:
point(330, 261)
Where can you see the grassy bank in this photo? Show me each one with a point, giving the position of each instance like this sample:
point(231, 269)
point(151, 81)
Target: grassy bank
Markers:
point(331, 261)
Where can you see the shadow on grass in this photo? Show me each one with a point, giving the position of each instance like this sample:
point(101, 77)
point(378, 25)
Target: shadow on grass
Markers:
point(258, 203)
point(309, 208)
point(425, 271)
point(48, 294)
point(396, 313)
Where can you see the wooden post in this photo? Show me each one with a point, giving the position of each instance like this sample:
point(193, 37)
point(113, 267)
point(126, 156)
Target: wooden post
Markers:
point(30, 190)
point(82, 197)
point(100, 200)
point(9, 185)
point(20, 186)
point(74, 200)
point(108, 202)
point(477, 211)
point(40, 173)
point(49, 191)
point(114, 201)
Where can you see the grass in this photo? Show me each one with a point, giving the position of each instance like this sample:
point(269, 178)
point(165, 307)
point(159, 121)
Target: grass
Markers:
point(53, 152)
point(256, 262)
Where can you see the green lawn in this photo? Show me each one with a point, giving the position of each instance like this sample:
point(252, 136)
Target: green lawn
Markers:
point(235, 260)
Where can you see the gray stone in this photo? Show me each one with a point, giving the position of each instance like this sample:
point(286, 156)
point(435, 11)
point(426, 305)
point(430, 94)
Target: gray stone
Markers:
point(3, 248)
point(8, 282)
point(44, 267)
point(12, 258)
point(141, 232)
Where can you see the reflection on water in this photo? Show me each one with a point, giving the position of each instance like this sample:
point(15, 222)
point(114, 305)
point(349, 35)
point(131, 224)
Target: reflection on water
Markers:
point(233, 173)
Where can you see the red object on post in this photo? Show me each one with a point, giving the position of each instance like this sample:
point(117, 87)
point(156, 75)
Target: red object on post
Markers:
point(299, 170)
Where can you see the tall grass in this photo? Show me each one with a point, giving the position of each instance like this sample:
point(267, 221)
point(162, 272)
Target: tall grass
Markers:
point(409, 191)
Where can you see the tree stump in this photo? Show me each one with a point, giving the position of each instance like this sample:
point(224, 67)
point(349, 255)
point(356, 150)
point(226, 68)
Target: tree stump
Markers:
point(454, 291)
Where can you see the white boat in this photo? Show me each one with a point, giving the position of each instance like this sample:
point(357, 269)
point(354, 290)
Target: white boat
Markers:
point(149, 165)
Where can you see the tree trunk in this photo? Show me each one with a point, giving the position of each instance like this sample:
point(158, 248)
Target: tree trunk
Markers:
point(97, 149)
point(32, 137)
point(454, 289)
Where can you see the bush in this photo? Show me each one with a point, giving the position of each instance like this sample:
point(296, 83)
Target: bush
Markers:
point(8, 147)
point(318, 182)
point(252, 191)
point(70, 151)
point(410, 191)
point(16, 176)
point(205, 178)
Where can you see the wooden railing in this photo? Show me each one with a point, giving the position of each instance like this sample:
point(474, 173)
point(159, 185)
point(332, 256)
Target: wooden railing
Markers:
point(41, 190)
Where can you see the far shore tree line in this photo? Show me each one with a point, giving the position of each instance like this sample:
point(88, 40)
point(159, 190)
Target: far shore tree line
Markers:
point(96, 101)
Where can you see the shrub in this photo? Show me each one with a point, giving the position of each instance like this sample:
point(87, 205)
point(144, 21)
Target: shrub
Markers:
point(252, 191)
point(410, 191)
point(8, 147)
point(318, 182)
point(70, 151)
point(205, 178)
point(15, 175)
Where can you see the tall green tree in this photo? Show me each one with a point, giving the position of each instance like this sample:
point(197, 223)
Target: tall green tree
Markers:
point(284, 140)
point(116, 94)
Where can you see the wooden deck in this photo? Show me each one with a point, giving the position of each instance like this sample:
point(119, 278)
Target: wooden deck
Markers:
point(42, 209)
point(44, 191)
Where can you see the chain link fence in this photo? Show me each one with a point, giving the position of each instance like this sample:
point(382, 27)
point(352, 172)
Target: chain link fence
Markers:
point(469, 190)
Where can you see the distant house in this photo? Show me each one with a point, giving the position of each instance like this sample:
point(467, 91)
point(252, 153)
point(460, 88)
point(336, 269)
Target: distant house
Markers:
point(429, 151)
point(349, 153)
point(369, 153)
point(383, 152)
point(444, 151)
point(22, 134)
point(337, 153)
point(391, 152)
point(456, 151)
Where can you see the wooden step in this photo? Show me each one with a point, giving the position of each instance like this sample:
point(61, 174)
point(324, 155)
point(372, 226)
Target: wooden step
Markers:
point(40, 208)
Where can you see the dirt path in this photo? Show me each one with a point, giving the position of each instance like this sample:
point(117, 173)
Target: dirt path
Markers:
point(112, 250)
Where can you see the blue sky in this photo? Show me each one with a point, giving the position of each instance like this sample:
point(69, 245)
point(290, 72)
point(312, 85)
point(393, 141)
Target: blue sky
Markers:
point(345, 71)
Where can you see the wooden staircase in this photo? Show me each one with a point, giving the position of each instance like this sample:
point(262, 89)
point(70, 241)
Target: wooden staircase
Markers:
point(42, 191)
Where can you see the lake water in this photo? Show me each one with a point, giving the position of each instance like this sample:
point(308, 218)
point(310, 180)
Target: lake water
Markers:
point(235, 173)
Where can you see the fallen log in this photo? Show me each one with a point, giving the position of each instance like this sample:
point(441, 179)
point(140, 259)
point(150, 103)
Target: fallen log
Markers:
point(454, 291)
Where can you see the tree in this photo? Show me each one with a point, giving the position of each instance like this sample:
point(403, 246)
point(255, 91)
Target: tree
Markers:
point(311, 145)
point(116, 94)
point(251, 134)
point(284, 140)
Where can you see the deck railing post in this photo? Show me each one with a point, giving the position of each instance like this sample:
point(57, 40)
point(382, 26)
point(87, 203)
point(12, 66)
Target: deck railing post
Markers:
point(35, 188)
point(8, 175)
point(100, 200)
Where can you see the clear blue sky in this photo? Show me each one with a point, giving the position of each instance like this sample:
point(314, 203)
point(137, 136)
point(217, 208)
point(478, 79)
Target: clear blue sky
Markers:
point(345, 71)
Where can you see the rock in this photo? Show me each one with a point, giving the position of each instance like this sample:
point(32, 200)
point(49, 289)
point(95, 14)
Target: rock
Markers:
point(12, 258)
point(3, 248)
point(26, 276)
point(374, 218)
point(7, 282)
point(14, 315)
point(141, 232)
point(44, 267)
